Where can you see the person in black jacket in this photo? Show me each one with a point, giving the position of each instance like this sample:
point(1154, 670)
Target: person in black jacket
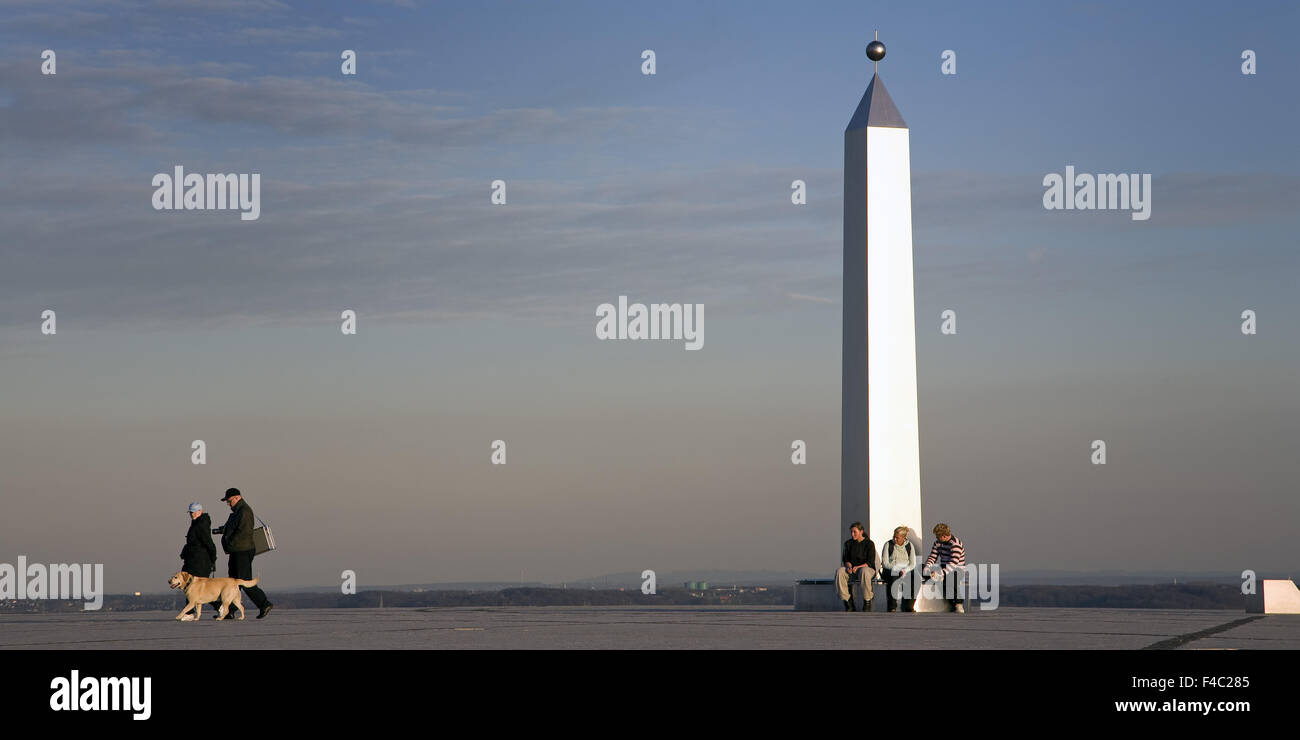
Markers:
point(199, 556)
point(860, 564)
point(237, 541)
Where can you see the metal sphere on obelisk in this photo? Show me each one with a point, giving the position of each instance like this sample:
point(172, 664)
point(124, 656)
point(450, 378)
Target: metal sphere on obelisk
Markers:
point(880, 475)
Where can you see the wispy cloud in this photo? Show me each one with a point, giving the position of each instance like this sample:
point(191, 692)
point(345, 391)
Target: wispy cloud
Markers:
point(809, 298)
point(136, 101)
point(285, 34)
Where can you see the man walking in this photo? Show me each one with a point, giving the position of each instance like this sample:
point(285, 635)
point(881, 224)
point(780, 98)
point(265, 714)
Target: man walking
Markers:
point(860, 564)
point(237, 541)
point(950, 557)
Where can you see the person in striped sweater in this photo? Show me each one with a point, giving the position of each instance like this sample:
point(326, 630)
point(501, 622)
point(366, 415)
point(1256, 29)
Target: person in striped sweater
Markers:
point(947, 563)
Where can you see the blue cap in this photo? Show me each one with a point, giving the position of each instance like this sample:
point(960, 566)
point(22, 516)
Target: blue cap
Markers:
point(196, 507)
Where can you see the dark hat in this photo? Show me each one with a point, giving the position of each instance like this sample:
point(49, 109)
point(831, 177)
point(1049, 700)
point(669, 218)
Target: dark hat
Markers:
point(231, 492)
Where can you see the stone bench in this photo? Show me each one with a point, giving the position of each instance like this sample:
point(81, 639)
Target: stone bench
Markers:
point(1274, 596)
point(818, 595)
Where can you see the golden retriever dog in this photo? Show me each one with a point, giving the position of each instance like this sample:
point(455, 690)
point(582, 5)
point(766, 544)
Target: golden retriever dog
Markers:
point(200, 591)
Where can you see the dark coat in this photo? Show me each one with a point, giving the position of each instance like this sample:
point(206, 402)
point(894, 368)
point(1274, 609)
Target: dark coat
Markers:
point(860, 553)
point(199, 554)
point(237, 534)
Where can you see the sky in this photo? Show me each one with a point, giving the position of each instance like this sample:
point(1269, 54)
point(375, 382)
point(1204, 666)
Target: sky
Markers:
point(371, 452)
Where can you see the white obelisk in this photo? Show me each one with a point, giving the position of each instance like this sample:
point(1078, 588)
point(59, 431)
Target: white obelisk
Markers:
point(880, 468)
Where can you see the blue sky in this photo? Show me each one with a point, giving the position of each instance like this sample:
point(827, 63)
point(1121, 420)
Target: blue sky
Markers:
point(477, 321)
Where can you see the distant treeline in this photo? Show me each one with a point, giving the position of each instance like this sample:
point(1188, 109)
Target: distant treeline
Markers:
point(1149, 596)
point(1160, 596)
point(538, 596)
point(528, 596)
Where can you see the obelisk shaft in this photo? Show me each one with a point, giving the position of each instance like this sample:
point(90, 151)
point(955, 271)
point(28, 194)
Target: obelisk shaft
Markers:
point(880, 454)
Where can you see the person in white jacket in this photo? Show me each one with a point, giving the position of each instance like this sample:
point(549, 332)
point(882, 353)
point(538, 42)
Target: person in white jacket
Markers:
point(898, 565)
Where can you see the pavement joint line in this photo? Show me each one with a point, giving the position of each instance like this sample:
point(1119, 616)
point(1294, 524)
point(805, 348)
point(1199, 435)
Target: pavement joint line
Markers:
point(1180, 640)
point(972, 629)
point(594, 627)
point(801, 621)
point(453, 629)
point(249, 634)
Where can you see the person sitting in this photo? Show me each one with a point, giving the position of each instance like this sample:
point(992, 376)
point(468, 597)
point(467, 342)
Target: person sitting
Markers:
point(860, 564)
point(897, 565)
point(946, 565)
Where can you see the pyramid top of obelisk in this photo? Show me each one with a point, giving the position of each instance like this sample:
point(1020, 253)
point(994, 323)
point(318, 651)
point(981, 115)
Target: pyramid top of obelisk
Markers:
point(876, 108)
